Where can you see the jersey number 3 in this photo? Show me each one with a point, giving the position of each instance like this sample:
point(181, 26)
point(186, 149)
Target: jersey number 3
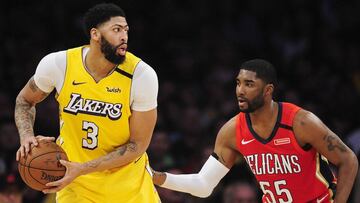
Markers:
point(91, 140)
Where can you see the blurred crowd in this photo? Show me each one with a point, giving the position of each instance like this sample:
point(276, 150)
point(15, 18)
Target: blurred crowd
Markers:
point(196, 48)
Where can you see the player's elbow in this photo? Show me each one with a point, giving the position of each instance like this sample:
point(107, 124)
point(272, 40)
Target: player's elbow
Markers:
point(350, 159)
point(204, 194)
point(353, 161)
point(349, 162)
point(203, 190)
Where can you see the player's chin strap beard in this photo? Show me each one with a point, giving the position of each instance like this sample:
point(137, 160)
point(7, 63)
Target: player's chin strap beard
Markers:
point(109, 51)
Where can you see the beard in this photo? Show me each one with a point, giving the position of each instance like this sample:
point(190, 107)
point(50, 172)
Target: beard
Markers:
point(255, 104)
point(110, 51)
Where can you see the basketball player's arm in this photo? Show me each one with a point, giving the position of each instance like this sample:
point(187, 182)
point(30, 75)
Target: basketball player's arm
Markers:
point(142, 125)
point(25, 112)
point(215, 168)
point(310, 129)
point(144, 91)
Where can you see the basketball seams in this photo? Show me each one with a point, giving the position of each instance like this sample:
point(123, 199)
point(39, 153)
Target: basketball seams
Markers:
point(44, 155)
point(22, 168)
point(28, 171)
point(45, 158)
point(36, 178)
point(29, 165)
point(39, 168)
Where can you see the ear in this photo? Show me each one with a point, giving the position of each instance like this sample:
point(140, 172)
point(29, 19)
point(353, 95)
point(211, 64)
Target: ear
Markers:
point(95, 34)
point(269, 89)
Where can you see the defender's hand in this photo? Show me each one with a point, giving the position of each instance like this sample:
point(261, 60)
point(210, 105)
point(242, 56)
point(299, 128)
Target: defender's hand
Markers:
point(158, 177)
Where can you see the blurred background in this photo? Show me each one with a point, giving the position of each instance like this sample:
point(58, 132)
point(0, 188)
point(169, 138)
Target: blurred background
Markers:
point(196, 48)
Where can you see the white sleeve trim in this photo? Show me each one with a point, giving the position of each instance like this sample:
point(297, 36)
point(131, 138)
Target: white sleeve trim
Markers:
point(201, 184)
point(50, 72)
point(144, 90)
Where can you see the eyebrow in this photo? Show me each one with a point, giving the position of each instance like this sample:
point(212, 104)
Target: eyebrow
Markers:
point(252, 81)
point(116, 24)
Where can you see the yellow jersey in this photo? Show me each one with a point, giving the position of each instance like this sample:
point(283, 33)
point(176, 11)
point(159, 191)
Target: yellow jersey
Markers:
point(94, 121)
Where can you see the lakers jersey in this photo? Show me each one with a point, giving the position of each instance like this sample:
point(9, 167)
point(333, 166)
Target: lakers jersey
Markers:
point(285, 171)
point(94, 121)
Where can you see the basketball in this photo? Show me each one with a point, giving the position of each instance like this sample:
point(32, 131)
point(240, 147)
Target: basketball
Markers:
point(42, 165)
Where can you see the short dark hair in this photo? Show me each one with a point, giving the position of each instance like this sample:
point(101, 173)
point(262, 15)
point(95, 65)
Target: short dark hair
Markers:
point(263, 69)
point(99, 14)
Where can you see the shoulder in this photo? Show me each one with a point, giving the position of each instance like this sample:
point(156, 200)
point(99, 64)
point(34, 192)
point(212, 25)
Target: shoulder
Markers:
point(229, 126)
point(145, 88)
point(54, 60)
point(144, 70)
point(227, 133)
point(52, 63)
point(59, 55)
point(225, 145)
point(305, 118)
point(307, 126)
point(50, 71)
point(145, 75)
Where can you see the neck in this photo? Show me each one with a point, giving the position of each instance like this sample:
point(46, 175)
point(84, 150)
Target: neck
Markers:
point(97, 65)
point(265, 114)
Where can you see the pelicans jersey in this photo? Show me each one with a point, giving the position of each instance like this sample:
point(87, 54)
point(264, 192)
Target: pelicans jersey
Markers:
point(94, 121)
point(285, 171)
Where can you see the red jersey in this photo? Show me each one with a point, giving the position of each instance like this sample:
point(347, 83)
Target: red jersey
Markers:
point(285, 171)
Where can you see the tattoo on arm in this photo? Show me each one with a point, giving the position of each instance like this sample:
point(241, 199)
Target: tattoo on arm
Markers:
point(128, 147)
point(24, 117)
point(25, 112)
point(35, 89)
point(32, 85)
point(333, 143)
point(92, 164)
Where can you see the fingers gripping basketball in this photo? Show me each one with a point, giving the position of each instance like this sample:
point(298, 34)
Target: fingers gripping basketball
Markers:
point(42, 165)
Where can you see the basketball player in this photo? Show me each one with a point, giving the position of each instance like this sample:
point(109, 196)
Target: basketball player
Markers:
point(107, 98)
point(285, 146)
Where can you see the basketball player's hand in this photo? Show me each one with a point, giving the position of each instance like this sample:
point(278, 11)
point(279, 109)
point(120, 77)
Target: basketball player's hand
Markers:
point(158, 177)
point(73, 170)
point(27, 143)
point(45, 138)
